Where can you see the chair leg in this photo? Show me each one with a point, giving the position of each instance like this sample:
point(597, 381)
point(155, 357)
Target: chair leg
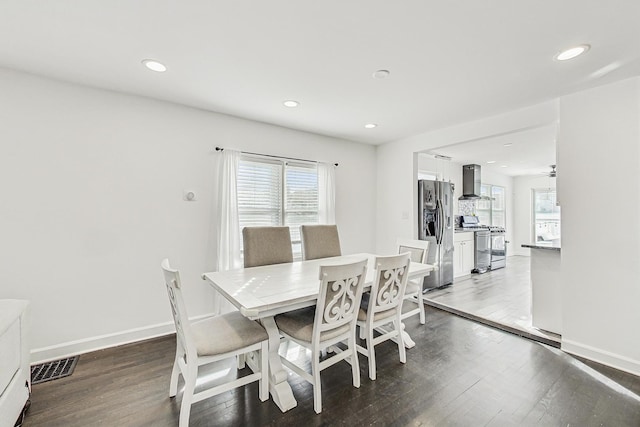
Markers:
point(363, 333)
point(422, 313)
point(175, 374)
point(397, 324)
point(242, 361)
point(355, 365)
point(187, 396)
point(263, 382)
point(371, 353)
point(317, 389)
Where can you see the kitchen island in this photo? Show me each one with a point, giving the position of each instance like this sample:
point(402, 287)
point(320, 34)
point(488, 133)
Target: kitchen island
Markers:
point(546, 287)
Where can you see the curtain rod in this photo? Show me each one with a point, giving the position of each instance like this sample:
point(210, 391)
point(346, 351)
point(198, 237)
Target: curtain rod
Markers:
point(276, 157)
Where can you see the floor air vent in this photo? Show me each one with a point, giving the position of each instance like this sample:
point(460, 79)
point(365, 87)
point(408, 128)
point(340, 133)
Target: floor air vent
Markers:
point(53, 370)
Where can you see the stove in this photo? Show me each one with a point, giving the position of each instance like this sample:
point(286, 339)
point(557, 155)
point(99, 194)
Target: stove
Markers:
point(498, 248)
point(471, 223)
point(490, 244)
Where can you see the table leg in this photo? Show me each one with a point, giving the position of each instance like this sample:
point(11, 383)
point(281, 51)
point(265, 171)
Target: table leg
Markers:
point(278, 385)
point(408, 342)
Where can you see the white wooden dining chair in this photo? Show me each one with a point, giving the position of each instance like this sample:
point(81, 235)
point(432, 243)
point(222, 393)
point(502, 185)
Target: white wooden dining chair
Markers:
point(211, 340)
point(384, 306)
point(266, 246)
point(319, 241)
point(331, 321)
point(413, 298)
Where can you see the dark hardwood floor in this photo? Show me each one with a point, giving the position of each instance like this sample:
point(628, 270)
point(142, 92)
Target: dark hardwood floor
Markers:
point(460, 373)
point(500, 298)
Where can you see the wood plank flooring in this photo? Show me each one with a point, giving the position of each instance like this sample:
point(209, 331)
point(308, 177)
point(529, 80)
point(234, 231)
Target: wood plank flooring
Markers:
point(460, 373)
point(500, 298)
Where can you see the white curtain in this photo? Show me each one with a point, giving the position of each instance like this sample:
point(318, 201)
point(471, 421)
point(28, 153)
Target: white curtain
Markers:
point(227, 224)
point(326, 193)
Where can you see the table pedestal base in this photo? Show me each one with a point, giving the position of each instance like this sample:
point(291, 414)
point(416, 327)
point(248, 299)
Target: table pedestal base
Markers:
point(278, 386)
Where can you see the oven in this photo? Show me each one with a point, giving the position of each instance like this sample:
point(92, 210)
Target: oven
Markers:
point(498, 248)
point(482, 258)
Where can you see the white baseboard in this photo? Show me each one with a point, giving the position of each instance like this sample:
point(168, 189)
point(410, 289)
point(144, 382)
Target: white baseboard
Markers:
point(617, 361)
point(73, 348)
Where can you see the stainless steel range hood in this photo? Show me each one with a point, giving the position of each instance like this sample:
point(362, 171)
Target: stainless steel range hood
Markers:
point(471, 182)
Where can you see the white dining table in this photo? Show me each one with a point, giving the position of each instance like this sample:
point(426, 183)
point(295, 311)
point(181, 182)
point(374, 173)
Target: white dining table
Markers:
point(261, 293)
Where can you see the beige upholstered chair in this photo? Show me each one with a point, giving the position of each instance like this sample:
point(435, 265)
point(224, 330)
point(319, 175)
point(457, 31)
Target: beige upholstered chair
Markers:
point(331, 321)
point(414, 303)
point(210, 340)
point(266, 245)
point(319, 241)
point(384, 306)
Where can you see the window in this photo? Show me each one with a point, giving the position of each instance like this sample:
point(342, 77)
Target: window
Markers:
point(491, 207)
point(274, 192)
point(546, 216)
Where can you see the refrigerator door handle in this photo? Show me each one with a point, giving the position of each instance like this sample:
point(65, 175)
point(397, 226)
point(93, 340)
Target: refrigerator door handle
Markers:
point(441, 223)
point(437, 221)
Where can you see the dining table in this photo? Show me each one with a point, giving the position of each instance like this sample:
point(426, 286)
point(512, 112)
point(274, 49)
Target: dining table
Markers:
point(261, 293)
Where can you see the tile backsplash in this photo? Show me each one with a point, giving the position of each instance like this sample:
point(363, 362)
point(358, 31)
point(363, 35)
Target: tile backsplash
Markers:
point(467, 207)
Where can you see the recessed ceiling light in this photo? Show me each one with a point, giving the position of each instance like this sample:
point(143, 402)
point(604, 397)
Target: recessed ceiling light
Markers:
point(154, 65)
point(491, 161)
point(370, 125)
point(572, 52)
point(503, 166)
point(291, 103)
point(381, 74)
point(508, 144)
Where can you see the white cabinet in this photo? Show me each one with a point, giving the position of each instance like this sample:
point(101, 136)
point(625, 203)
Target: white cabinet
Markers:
point(15, 373)
point(546, 290)
point(463, 253)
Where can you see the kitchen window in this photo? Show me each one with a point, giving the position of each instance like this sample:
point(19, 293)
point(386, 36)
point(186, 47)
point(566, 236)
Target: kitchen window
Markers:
point(491, 208)
point(273, 192)
point(546, 216)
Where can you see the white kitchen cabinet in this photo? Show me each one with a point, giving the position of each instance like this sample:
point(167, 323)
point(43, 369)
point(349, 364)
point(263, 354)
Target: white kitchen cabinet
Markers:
point(546, 288)
point(463, 254)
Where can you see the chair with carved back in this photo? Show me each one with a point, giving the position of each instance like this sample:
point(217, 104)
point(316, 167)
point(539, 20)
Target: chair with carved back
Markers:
point(414, 302)
point(384, 306)
point(331, 321)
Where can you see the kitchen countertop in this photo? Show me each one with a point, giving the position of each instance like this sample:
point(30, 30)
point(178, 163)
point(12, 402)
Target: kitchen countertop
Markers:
point(541, 245)
point(466, 230)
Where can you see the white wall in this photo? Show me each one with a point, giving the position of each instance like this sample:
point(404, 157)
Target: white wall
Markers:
point(598, 187)
point(92, 186)
point(523, 210)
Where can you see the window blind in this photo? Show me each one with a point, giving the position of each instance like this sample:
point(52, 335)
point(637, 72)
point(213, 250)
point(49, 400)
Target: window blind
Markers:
point(259, 188)
point(301, 197)
point(277, 192)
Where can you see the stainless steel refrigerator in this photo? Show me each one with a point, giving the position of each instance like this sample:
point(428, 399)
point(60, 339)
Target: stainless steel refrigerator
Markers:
point(436, 224)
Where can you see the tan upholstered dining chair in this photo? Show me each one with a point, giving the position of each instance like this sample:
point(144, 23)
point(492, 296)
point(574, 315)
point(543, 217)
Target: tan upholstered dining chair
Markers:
point(331, 321)
point(319, 241)
point(207, 341)
point(413, 298)
point(266, 245)
point(384, 306)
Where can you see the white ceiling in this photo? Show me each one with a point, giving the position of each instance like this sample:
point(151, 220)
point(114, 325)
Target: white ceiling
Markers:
point(530, 152)
point(450, 61)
